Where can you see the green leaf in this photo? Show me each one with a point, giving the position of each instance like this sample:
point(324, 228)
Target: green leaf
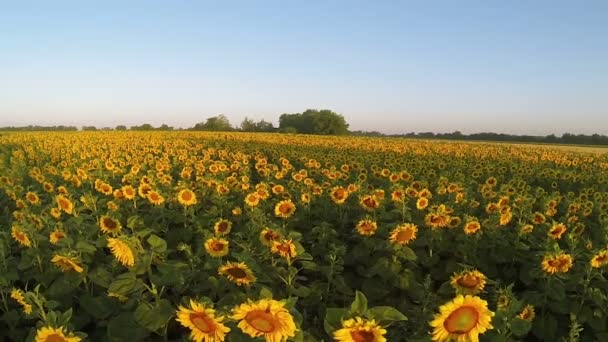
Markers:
point(100, 307)
point(85, 247)
point(158, 245)
point(359, 305)
point(386, 313)
point(125, 284)
point(154, 317)
point(556, 290)
point(101, 277)
point(407, 253)
point(134, 221)
point(520, 327)
point(265, 293)
point(333, 319)
point(124, 328)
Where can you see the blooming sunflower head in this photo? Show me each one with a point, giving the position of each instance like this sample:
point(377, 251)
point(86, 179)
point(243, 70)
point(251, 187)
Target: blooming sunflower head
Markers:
point(358, 330)
point(285, 248)
point(268, 236)
point(472, 227)
point(217, 247)
point(65, 204)
point(204, 325)
point(600, 259)
point(369, 202)
point(155, 198)
point(52, 334)
point(367, 227)
point(252, 199)
point(222, 227)
point(557, 230)
point(266, 318)
point(186, 197)
point(284, 209)
point(557, 263)
point(403, 234)
point(338, 194)
point(109, 225)
point(468, 282)
point(238, 273)
point(21, 236)
point(462, 319)
point(527, 314)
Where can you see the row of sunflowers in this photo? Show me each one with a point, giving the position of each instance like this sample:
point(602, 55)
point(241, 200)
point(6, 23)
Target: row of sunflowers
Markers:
point(174, 236)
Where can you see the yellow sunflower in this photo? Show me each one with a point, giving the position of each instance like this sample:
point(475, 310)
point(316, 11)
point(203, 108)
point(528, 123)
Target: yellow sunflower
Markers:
point(422, 203)
point(109, 225)
point(18, 296)
point(222, 227)
point(128, 192)
point(526, 229)
point(122, 251)
point(50, 334)
point(32, 197)
point(56, 236)
point(437, 220)
point(238, 273)
point(468, 282)
point(472, 227)
point(65, 204)
point(284, 209)
point(203, 324)
point(186, 197)
point(338, 194)
point(285, 248)
point(369, 202)
point(265, 318)
point(217, 247)
point(21, 237)
point(252, 199)
point(268, 236)
point(462, 319)
point(66, 264)
point(404, 234)
point(360, 330)
point(557, 230)
point(600, 259)
point(367, 227)
point(155, 198)
point(527, 314)
point(557, 263)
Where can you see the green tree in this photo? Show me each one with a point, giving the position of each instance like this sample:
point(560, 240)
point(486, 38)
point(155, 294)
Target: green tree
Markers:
point(215, 123)
point(313, 121)
point(121, 128)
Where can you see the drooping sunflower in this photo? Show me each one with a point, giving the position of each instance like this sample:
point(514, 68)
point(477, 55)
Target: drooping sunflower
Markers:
point(600, 259)
point(285, 248)
point(469, 282)
point(266, 318)
point(18, 296)
point(222, 227)
point(268, 236)
point(369, 202)
point(403, 234)
point(359, 329)
point(51, 334)
point(186, 197)
point(21, 237)
point(367, 227)
point(65, 204)
point(462, 319)
point(284, 209)
point(204, 325)
point(122, 251)
point(67, 264)
point(109, 225)
point(527, 314)
point(557, 230)
point(56, 236)
point(217, 247)
point(472, 227)
point(557, 263)
point(238, 273)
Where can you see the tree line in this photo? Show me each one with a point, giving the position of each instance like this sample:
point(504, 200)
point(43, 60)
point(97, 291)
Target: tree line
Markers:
point(327, 122)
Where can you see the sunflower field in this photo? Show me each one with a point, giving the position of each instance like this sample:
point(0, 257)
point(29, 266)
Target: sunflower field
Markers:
point(179, 236)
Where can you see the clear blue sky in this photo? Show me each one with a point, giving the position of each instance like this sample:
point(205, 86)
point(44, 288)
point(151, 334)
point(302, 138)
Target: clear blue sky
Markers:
point(530, 67)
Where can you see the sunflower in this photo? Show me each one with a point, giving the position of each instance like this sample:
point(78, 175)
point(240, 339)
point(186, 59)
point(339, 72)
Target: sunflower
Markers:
point(338, 194)
point(557, 231)
point(462, 319)
point(436, 220)
point(155, 198)
point(252, 199)
point(122, 251)
point(468, 282)
point(222, 227)
point(66, 264)
point(238, 273)
point(367, 227)
point(404, 234)
point(369, 202)
point(526, 229)
point(203, 324)
point(284, 209)
point(472, 227)
point(502, 301)
point(557, 263)
point(50, 334)
point(186, 197)
point(268, 236)
point(109, 225)
point(56, 236)
point(21, 237)
point(18, 296)
point(538, 218)
point(267, 317)
point(600, 259)
point(32, 197)
point(527, 314)
point(217, 247)
point(505, 217)
point(128, 192)
point(360, 330)
point(65, 204)
point(236, 211)
point(398, 196)
point(106, 189)
point(285, 248)
point(56, 213)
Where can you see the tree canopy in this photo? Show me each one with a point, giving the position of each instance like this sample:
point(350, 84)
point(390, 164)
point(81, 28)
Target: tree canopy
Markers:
point(214, 123)
point(312, 121)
